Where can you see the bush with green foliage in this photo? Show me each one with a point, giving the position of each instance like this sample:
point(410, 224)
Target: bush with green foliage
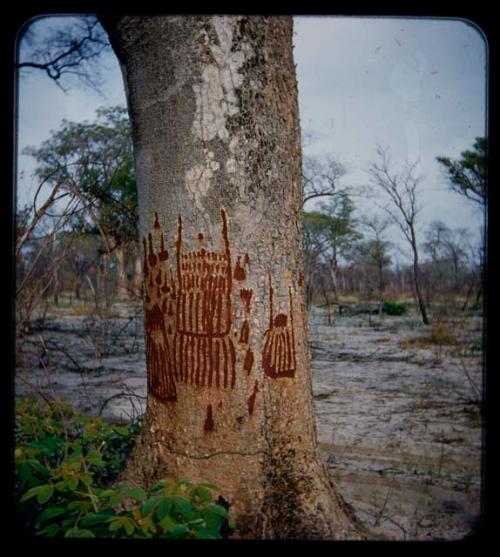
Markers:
point(393, 308)
point(67, 466)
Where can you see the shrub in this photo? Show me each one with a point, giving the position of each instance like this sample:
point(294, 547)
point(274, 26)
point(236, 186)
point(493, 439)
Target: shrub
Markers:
point(66, 466)
point(393, 308)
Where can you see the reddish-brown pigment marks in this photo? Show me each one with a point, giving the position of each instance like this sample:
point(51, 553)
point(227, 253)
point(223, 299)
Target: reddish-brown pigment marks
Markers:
point(248, 364)
point(301, 279)
point(278, 355)
point(209, 420)
point(251, 398)
point(245, 330)
point(204, 315)
point(188, 314)
point(246, 261)
point(160, 362)
point(246, 297)
point(239, 271)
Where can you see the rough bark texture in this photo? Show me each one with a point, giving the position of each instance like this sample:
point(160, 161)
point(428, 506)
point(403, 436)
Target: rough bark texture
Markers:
point(213, 105)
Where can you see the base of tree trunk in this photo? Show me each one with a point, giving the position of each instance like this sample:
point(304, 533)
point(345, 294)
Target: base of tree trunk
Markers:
point(287, 496)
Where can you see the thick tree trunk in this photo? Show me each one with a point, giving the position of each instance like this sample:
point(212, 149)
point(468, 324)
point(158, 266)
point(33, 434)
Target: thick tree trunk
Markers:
point(213, 106)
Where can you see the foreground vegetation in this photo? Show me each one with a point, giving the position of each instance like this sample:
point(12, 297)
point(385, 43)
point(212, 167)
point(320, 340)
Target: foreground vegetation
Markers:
point(67, 472)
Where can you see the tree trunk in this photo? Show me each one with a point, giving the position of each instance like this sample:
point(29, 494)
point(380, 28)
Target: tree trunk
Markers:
point(213, 106)
point(122, 283)
point(137, 275)
point(417, 279)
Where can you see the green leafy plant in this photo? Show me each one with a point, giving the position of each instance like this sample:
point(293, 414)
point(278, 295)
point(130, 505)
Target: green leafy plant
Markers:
point(393, 308)
point(66, 471)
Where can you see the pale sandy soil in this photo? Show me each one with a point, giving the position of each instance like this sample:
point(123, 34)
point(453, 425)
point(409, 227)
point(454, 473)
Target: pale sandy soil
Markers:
point(399, 425)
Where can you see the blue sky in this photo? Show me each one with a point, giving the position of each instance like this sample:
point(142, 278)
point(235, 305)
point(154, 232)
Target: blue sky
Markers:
point(415, 86)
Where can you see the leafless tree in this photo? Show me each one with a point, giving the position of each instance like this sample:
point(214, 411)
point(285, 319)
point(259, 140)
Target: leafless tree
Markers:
point(321, 177)
point(69, 49)
point(401, 191)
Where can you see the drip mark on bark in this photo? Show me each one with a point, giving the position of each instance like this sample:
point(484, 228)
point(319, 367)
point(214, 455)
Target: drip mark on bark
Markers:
point(248, 364)
point(209, 420)
point(251, 398)
point(244, 332)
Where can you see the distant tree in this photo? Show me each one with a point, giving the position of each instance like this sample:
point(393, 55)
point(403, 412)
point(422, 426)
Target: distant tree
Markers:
point(70, 47)
point(329, 235)
point(321, 177)
point(448, 254)
point(93, 162)
point(375, 250)
point(400, 190)
point(467, 175)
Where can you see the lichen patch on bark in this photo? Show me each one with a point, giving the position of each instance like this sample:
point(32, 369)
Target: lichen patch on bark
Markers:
point(215, 95)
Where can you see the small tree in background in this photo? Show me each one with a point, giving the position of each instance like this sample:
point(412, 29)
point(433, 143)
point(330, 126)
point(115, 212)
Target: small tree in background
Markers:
point(401, 191)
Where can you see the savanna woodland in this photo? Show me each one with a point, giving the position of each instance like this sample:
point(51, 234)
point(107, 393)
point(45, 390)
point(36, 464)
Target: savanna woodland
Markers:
point(218, 335)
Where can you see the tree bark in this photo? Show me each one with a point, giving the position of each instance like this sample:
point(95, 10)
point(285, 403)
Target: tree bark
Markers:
point(213, 106)
point(417, 280)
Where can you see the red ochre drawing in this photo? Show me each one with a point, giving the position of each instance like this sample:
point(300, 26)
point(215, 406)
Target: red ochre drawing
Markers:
point(188, 315)
point(248, 364)
point(209, 420)
point(278, 354)
point(251, 398)
point(204, 351)
point(245, 330)
point(239, 271)
point(246, 296)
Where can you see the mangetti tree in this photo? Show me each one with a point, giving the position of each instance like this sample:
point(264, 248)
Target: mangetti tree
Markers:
point(215, 125)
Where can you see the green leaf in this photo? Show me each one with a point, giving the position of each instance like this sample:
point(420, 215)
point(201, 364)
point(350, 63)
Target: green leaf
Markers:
point(115, 524)
point(137, 493)
point(129, 525)
point(42, 492)
point(79, 533)
point(94, 457)
point(122, 522)
point(167, 523)
point(163, 508)
point(216, 509)
point(50, 531)
point(148, 525)
point(51, 512)
point(150, 504)
point(182, 505)
point(93, 519)
point(205, 534)
point(179, 530)
point(108, 493)
point(33, 492)
point(79, 505)
point(121, 430)
point(38, 466)
point(204, 494)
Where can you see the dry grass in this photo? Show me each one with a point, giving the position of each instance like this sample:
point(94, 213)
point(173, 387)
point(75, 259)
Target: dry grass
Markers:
point(440, 335)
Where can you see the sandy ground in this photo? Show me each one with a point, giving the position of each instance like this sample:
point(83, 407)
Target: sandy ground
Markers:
point(398, 422)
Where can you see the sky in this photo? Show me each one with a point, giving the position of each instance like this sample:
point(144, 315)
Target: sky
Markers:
point(416, 86)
